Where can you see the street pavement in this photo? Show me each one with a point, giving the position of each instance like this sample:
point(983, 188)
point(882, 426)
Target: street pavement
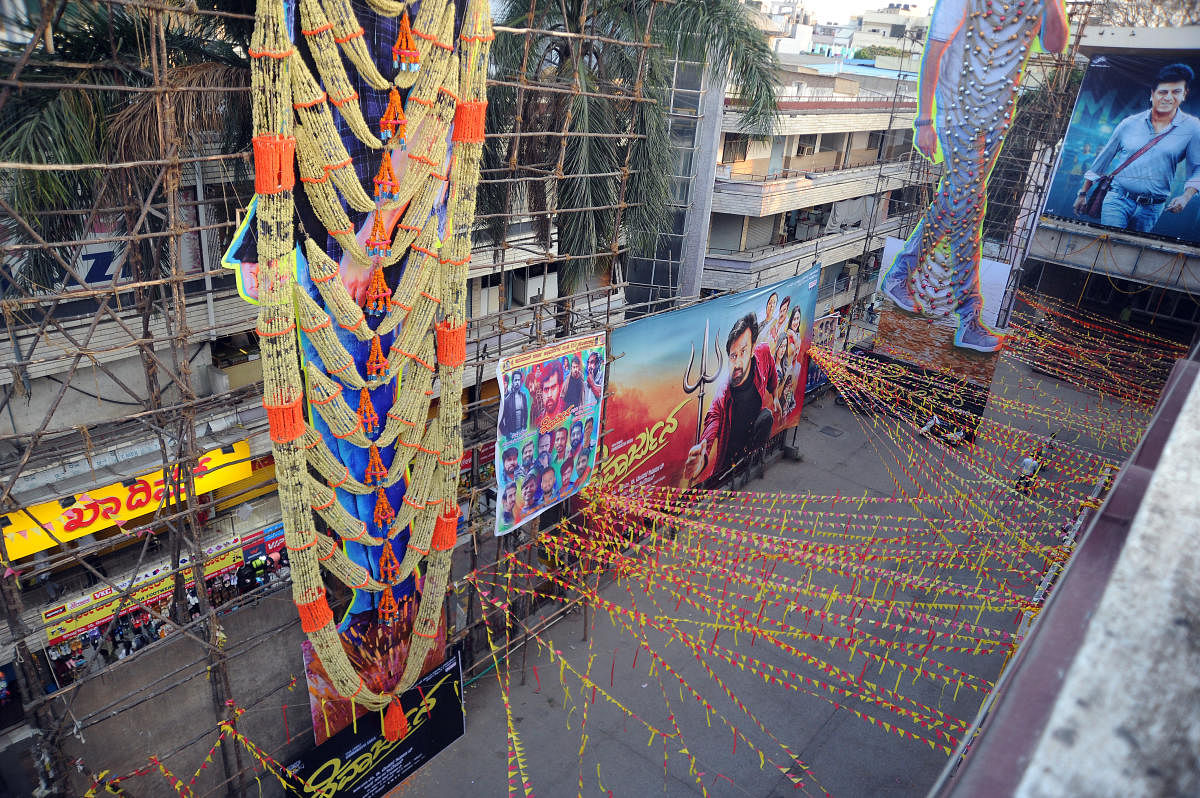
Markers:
point(846, 755)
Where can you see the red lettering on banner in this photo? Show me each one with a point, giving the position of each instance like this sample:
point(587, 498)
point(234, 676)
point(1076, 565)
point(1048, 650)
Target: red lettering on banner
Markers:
point(138, 495)
point(550, 422)
point(81, 518)
point(109, 506)
point(202, 465)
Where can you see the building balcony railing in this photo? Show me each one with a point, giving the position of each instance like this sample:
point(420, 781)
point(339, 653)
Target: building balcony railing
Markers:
point(810, 103)
point(829, 290)
point(866, 283)
point(770, 195)
point(814, 246)
point(725, 172)
point(728, 269)
point(808, 166)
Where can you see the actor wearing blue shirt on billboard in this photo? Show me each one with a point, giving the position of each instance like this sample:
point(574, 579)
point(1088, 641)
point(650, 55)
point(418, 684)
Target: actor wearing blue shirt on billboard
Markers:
point(972, 66)
point(1160, 137)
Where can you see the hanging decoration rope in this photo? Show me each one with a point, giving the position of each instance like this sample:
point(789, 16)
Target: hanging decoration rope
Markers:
point(355, 325)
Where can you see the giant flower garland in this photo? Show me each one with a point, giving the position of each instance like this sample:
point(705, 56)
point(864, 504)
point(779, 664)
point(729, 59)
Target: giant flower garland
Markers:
point(351, 346)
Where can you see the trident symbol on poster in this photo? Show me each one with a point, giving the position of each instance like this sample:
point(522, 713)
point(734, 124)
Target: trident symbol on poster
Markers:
point(704, 377)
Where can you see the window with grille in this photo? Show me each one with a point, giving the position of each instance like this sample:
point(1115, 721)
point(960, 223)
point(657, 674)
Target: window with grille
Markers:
point(735, 147)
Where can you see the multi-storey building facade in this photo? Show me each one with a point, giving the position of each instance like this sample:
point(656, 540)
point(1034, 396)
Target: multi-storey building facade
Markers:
point(832, 183)
point(890, 26)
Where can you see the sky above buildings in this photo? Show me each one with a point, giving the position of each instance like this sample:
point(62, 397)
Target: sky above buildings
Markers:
point(841, 10)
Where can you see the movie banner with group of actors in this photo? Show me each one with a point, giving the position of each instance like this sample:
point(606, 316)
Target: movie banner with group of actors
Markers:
point(549, 422)
point(825, 332)
point(695, 391)
point(1134, 132)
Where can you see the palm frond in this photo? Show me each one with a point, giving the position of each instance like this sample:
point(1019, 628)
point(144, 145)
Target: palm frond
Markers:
point(198, 115)
point(723, 33)
point(650, 163)
point(587, 193)
point(48, 128)
point(89, 126)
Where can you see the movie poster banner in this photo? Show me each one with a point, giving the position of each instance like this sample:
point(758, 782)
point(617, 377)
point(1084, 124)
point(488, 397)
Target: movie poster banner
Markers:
point(928, 342)
point(696, 390)
point(358, 762)
point(1127, 103)
point(379, 656)
point(548, 425)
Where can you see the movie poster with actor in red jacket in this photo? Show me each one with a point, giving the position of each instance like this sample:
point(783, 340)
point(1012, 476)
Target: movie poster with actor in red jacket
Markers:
point(696, 391)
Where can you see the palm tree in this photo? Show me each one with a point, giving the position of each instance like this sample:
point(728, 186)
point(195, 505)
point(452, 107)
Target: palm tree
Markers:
point(97, 49)
point(592, 81)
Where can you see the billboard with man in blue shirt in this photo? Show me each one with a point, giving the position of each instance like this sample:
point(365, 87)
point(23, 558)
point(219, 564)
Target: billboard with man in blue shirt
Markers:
point(1131, 158)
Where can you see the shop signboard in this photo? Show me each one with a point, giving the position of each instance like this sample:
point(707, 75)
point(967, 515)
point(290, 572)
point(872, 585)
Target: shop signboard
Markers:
point(26, 533)
point(76, 616)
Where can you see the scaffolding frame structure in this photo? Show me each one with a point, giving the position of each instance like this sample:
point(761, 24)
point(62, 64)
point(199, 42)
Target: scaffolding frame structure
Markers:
point(112, 288)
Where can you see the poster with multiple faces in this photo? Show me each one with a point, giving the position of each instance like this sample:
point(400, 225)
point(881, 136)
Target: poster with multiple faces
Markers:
point(548, 426)
point(697, 391)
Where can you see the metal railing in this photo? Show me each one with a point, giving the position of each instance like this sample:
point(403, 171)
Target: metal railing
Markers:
point(833, 289)
point(782, 174)
point(816, 102)
point(791, 174)
point(822, 242)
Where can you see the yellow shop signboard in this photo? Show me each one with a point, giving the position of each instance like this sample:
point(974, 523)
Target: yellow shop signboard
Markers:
point(29, 531)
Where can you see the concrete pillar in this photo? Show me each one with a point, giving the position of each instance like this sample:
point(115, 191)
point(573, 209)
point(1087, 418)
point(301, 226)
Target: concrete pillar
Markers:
point(704, 168)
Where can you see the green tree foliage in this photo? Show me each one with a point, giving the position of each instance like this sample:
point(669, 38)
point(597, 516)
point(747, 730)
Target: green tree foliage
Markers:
point(98, 48)
point(598, 96)
point(1159, 14)
point(876, 50)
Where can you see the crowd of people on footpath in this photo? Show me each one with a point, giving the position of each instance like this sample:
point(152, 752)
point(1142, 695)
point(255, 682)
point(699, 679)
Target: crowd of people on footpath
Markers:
point(108, 642)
